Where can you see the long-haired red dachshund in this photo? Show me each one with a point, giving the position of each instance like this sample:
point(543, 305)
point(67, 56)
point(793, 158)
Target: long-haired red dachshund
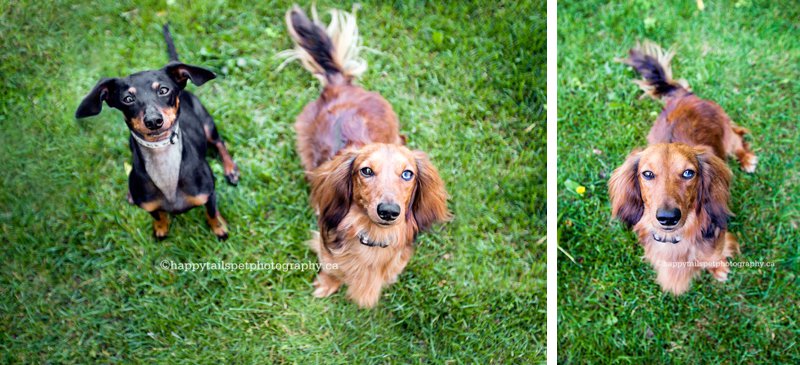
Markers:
point(675, 192)
point(372, 194)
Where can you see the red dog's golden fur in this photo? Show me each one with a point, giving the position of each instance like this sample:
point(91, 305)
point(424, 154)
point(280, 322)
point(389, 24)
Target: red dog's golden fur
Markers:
point(372, 194)
point(675, 192)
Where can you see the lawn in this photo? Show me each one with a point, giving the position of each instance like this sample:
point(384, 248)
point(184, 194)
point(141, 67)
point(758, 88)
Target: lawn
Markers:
point(743, 55)
point(81, 280)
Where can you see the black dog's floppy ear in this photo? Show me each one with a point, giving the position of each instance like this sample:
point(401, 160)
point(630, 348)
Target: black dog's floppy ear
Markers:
point(624, 192)
point(181, 72)
point(92, 104)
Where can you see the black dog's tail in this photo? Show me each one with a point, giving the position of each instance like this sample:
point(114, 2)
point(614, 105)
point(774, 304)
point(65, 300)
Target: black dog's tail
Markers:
point(653, 63)
point(173, 54)
point(330, 54)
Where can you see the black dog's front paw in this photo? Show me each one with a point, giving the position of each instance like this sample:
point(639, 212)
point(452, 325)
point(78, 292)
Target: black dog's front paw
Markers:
point(161, 226)
point(218, 226)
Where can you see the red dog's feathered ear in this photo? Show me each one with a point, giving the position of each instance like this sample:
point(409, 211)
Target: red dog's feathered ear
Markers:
point(713, 193)
point(624, 192)
point(332, 193)
point(430, 197)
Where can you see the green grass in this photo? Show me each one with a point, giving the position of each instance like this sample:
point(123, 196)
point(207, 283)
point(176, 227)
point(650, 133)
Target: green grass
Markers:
point(80, 279)
point(743, 55)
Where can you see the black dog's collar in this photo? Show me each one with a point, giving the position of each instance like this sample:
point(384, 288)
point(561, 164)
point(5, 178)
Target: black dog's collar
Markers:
point(364, 239)
point(159, 144)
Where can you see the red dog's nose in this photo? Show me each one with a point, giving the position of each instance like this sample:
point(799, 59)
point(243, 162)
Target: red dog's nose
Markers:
point(388, 211)
point(668, 217)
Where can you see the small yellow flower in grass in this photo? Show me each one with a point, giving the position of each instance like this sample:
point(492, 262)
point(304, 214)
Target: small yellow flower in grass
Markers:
point(574, 187)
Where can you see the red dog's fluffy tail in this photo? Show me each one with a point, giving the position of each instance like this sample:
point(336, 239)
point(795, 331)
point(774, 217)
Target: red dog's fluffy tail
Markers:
point(330, 54)
point(653, 63)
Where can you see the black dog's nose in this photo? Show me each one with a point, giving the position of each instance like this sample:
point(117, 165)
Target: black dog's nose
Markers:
point(668, 217)
point(388, 212)
point(154, 122)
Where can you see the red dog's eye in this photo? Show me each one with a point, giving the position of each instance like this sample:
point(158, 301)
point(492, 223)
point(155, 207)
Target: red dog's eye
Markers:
point(407, 175)
point(688, 174)
point(367, 172)
point(648, 175)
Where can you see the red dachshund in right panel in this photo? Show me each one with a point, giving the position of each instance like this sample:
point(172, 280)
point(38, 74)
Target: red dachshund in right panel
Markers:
point(675, 192)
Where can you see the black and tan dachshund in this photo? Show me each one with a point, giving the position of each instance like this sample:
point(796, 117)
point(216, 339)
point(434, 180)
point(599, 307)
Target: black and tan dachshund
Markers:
point(170, 132)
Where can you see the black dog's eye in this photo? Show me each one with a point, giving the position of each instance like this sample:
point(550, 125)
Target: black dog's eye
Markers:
point(648, 175)
point(367, 172)
point(688, 174)
point(128, 99)
point(407, 175)
point(163, 91)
